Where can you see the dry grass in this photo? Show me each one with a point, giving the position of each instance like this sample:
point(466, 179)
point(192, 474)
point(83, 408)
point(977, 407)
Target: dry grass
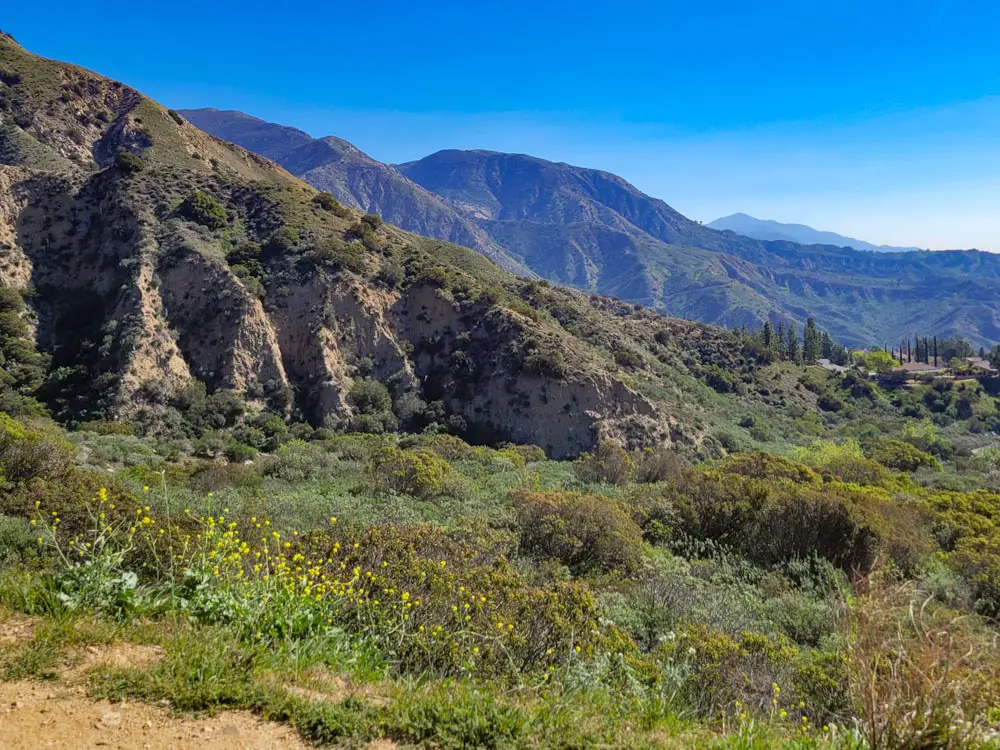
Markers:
point(922, 676)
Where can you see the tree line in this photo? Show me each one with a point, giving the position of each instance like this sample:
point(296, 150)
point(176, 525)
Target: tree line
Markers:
point(782, 342)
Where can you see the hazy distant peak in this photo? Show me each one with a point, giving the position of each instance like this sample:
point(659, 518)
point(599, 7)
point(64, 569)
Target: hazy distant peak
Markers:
point(767, 229)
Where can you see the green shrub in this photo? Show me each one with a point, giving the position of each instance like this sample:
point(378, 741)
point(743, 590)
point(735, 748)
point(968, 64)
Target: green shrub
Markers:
point(128, 162)
point(967, 526)
point(722, 670)
point(372, 221)
point(282, 241)
point(107, 427)
point(844, 460)
point(420, 473)
point(328, 203)
point(771, 521)
point(205, 210)
point(581, 531)
point(449, 447)
point(27, 452)
point(895, 454)
point(334, 253)
point(17, 542)
point(720, 380)
point(760, 465)
point(608, 463)
point(297, 461)
point(237, 452)
point(546, 363)
point(372, 407)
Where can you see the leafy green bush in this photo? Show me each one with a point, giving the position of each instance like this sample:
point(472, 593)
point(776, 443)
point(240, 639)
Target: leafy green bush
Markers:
point(760, 465)
point(27, 452)
point(372, 406)
point(203, 209)
point(420, 473)
point(107, 427)
point(297, 461)
point(128, 162)
point(771, 521)
point(581, 531)
point(282, 241)
point(844, 460)
point(17, 542)
point(237, 452)
point(608, 463)
point(373, 221)
point(328, 203)
point(967, 526)
point(895, 454)
point(336, 254)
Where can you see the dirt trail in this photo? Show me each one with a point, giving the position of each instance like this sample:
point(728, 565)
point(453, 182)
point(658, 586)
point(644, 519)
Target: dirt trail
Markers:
point(40, 715)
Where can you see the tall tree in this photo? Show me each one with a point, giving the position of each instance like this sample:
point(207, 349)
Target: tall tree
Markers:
point(792, 348)
point(826, 346)
point(811, 346)
point(780, 333)
point(768, 334)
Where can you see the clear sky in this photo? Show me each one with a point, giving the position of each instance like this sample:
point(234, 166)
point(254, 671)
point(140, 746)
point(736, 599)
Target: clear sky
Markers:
point(874, 119)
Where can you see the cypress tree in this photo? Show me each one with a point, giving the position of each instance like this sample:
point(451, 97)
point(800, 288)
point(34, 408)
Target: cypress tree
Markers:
point(810, 341)
point(793, 344)
point(935, 352)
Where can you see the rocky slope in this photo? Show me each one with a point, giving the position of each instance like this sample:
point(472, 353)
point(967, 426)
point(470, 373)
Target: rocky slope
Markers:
point(595, 231)
point(354, 178)
point(152, 254)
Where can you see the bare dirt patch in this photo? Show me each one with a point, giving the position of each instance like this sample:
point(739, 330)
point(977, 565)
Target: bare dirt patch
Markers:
point(320, 685)
point(17, 628)
point(115, 655)
point(34, 715)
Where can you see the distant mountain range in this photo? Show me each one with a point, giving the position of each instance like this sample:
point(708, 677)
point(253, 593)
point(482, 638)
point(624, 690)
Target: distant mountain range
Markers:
point(766, 229)
point(595, 231)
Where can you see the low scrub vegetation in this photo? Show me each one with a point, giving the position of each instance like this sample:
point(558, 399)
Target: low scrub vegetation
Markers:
point(838, 595)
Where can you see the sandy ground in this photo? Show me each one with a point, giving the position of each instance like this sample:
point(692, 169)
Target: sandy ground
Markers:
point(58, 714)
point(41, 715)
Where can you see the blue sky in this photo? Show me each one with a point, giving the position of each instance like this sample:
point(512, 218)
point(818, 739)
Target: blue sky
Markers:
point(878, 120)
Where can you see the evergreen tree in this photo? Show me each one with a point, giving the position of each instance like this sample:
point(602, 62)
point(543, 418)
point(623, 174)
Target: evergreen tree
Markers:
point(769, 343)
point(792, 348)
point(780, 333)
point(811, 345)
point(827, 346)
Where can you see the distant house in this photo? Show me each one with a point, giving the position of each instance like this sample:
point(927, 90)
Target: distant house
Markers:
point(828, 365)
point(916, 367)
point(978, 363)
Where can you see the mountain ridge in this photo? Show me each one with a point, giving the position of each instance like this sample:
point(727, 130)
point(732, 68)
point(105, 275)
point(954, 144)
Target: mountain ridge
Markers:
point(354, 178)
point(158, 268)
point(593, 230)
point(768, 229)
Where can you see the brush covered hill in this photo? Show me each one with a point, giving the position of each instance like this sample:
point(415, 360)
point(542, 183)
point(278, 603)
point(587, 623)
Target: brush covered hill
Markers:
point(593, 230)
point(152, 255)
point(335, 166)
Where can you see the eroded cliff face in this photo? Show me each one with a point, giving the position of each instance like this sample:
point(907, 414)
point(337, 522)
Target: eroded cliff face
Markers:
point(157, 303)
point(268, 292)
